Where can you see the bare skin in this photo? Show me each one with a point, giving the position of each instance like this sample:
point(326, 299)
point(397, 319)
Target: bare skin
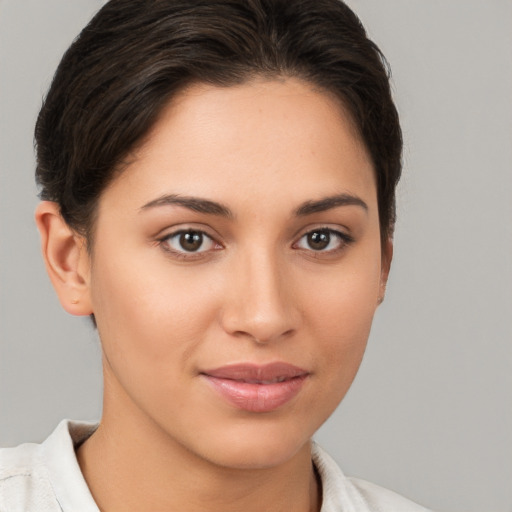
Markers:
point(274, 184)
point(192, 485)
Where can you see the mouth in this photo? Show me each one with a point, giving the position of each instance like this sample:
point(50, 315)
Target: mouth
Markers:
point(257, 388)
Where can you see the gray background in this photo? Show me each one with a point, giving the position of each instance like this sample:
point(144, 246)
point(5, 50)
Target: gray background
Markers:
point(430, 413)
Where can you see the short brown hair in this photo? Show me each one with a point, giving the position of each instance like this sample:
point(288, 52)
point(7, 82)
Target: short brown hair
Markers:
point(135, 55)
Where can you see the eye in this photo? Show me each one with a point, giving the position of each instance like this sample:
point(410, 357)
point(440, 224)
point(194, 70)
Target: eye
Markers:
point(188, 241)
point(323, 240)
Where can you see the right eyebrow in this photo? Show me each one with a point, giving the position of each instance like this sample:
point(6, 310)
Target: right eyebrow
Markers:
point(327, 203)
point(196, 204)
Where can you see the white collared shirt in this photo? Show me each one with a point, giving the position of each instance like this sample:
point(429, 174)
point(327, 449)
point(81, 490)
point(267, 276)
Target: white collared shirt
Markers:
point(46, 477)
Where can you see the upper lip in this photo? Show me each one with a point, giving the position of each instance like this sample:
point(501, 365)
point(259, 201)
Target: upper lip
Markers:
point(257, 374)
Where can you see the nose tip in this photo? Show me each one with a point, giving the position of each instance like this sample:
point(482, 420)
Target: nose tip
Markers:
point(264, 329)
point(263, 320)
point(260, 306)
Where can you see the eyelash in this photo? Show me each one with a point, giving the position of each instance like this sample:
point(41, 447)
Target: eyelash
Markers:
point(343, 241)
point(165, 241)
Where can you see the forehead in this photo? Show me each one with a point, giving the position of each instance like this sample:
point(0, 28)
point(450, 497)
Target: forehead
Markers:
point(264, 139)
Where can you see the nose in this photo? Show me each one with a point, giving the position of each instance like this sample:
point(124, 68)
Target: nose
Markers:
point(259, 303)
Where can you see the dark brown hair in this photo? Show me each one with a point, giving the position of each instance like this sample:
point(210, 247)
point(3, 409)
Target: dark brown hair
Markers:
point(135, 55)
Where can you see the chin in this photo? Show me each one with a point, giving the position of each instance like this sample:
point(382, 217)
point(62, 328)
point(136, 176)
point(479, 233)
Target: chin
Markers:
point(258, 457)
point(255, 447)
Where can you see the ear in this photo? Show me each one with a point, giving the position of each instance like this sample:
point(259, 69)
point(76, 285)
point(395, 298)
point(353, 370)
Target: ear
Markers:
point(66, 259)
point(387, 256)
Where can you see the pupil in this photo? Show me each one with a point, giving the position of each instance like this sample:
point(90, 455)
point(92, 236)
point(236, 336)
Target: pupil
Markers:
point(191, 241)
point(319, 240)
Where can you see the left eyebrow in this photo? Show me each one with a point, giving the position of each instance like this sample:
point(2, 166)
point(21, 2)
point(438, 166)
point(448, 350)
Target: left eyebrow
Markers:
point(327, 203)
point(196, 204)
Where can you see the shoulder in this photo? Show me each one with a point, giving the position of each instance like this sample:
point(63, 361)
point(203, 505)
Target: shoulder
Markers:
point(353, 494)
point(23, 480)
point(380, 499)
point(40, 477)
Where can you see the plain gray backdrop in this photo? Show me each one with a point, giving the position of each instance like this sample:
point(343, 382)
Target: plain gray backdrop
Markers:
point(430, 413)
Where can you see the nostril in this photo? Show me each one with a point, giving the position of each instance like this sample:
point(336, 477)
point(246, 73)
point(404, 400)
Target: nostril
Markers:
point(263, 340)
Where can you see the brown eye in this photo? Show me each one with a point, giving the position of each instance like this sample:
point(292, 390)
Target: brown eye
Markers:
point(319, 240)
point(324, 240)
point(188, 241)
point(191, 241)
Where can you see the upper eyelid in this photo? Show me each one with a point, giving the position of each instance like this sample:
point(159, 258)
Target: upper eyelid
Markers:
point(345, 238)
point(341, 230)
point(186, 230)
point(171, 231)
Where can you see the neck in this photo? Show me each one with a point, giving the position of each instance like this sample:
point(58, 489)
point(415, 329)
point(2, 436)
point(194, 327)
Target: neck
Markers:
point(129, 463)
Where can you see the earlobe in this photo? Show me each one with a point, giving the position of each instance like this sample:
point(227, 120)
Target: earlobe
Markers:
point(387, 256)
point(66, 259)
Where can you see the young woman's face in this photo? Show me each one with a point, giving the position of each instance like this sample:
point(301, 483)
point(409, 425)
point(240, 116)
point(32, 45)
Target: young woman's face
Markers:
point(235, 272)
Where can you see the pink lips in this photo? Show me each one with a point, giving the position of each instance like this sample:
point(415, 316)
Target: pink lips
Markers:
point(257, 388)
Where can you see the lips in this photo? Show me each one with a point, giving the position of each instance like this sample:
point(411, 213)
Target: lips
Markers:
point(257, 388)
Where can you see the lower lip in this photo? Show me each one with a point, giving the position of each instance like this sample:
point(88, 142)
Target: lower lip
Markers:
point(257, 397)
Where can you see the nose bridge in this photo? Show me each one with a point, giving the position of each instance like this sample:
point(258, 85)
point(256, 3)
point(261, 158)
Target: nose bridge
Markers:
point(260, 304)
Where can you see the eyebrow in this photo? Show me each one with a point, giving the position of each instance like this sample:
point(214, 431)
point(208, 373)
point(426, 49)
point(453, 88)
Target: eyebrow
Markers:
point(327, 203)
point(192, 203)
point(213, 208)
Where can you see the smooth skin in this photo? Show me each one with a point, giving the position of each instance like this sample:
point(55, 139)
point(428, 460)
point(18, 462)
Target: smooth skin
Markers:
point(244, 230)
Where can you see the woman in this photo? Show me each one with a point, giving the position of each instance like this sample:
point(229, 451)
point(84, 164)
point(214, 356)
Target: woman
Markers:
point(218, 195)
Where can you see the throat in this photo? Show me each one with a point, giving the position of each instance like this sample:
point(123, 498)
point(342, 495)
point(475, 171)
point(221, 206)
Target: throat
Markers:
point(127, 480)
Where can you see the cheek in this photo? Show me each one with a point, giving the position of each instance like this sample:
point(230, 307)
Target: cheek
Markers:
point(149, 315)
point(340, 320)
point(150, 329)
